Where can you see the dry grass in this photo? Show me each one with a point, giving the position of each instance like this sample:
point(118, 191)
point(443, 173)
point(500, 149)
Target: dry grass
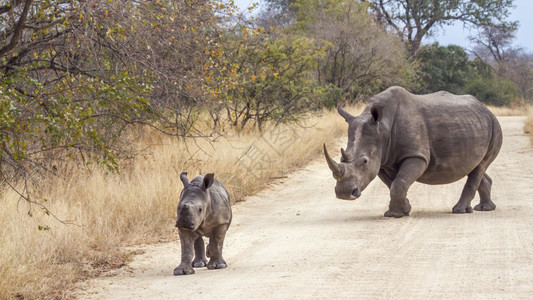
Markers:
point(503, 111)
point(137, 205)
point(528, 125)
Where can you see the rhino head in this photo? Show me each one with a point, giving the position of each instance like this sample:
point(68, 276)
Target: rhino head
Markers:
point(361, 161)
point(194, 200)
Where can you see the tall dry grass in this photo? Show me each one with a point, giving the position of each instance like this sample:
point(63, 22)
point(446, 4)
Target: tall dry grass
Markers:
point(138, 204)
point(503, 111)
point(528, 124)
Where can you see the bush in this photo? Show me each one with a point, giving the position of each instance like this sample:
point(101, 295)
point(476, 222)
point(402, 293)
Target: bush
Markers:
point(492, 90)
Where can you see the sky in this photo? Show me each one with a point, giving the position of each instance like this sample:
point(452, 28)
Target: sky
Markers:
point(456, 34)
point(522, 12)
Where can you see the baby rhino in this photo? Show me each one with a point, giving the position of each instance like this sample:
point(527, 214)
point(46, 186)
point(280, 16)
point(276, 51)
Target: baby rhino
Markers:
point(204, 210)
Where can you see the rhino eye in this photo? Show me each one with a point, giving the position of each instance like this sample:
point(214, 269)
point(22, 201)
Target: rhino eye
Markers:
point(200, 209)
point(365, 161)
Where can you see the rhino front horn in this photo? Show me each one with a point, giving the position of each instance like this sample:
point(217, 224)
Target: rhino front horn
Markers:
point(336, 168)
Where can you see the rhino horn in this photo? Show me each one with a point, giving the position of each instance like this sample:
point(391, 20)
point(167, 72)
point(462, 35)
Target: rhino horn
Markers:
point(336, 168)
point(345, 114)
point(344, 155)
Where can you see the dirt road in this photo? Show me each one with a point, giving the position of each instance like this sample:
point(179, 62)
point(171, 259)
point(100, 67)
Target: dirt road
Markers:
point(296, 241)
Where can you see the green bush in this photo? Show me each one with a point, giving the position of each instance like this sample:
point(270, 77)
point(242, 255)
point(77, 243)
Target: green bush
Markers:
point(492, 90)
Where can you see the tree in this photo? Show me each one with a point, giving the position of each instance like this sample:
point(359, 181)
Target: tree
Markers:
point(494, 42)
point(415, 19)
point(277, 13)
point(442, 69)
point(76, 75)
point(449, 69)
point(269, 79)
point(520, 71)
point(362, 57)
point(494, 45)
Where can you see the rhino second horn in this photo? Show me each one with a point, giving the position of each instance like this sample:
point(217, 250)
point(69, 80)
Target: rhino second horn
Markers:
point(346, 115)
point(336, 168)
point(344, 155)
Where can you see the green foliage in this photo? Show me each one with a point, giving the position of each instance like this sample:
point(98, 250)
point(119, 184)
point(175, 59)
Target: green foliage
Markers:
point(77, 74)
point(362, 58)
point(492, 90)
point(266, 79)
point(63, 97)
point(443, 68)
point(449, 69)
point(82, 73)
point(414, 20)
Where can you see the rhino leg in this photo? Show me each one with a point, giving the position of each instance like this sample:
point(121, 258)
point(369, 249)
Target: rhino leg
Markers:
point(187, 253)
point(485, 203)
point(410, 170)
point(216, 242)
point(385, 177)
point(199, 253)
point(469, 191)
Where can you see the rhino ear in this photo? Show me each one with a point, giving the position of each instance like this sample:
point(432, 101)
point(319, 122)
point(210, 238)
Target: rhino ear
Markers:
point(208, 180)
point(345, 114)
point(377, 112)
point(183, 177)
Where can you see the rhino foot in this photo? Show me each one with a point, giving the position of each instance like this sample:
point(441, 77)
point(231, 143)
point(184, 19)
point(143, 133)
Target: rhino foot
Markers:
point(217, 264)
point(398, 212)
point(461, 209)
point(395, 214)
point(199, 263)
point(485, 206)
point(183, 270)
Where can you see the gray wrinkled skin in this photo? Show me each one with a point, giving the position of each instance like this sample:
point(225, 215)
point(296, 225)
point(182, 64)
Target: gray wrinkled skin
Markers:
point(204, 210)
point(437, 138)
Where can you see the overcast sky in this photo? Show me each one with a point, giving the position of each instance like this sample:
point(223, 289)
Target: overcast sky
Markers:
point(455, 34)
point(524, 38)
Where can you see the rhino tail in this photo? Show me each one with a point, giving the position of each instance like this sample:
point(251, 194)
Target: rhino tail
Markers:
point(184, 179)
point(207, 252)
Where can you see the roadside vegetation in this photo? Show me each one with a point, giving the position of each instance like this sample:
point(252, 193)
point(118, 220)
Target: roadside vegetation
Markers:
point(528, 126)
point(105, 211)
point(103, 103)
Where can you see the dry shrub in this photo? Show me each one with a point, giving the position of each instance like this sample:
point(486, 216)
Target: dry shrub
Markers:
point(138, 204)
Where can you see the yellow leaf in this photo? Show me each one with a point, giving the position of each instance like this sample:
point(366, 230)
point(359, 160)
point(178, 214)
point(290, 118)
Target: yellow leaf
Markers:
point(254, 77)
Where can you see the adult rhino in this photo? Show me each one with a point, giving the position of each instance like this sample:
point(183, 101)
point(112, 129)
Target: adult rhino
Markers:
point(435, 139)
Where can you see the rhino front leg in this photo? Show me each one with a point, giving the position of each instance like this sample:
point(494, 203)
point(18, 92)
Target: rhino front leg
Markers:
point(199, 253)
point(216, 242)
point(385, 177)
point(187, 253)
point(410, 170)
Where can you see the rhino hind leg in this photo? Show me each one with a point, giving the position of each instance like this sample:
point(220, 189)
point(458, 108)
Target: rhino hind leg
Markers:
point(469, 191)
point(485, 203)
point(199, 254)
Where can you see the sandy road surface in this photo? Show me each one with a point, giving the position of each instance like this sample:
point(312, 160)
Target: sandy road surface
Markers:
point(295, 240)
